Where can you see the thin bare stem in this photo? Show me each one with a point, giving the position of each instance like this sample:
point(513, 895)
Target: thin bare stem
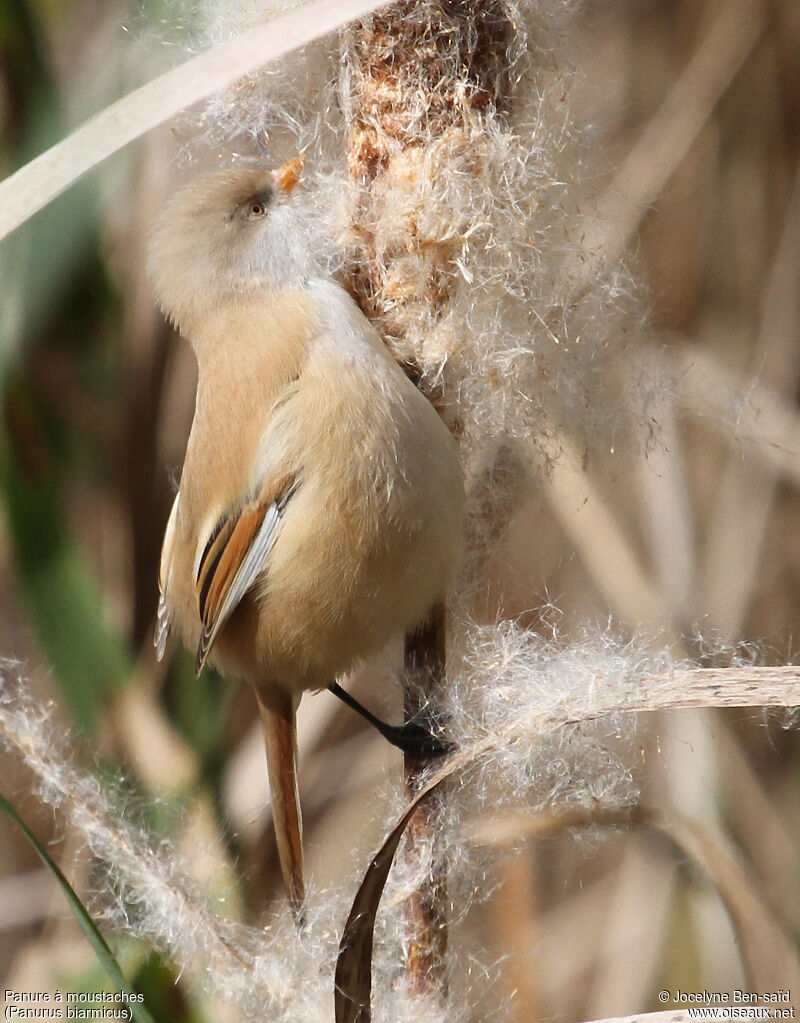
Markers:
point(425, 669)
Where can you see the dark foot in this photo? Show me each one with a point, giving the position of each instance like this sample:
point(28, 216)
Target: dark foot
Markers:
point(413, 739)
point(416, 741)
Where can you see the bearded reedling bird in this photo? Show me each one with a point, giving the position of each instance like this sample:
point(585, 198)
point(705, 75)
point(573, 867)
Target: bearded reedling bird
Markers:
point(320, 501)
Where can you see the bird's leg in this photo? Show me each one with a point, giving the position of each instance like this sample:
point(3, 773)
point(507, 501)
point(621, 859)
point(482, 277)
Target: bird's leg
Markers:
point(411, 738)
point(277, 710)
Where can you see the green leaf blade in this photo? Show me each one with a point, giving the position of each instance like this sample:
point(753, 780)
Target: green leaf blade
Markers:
point(101, 949)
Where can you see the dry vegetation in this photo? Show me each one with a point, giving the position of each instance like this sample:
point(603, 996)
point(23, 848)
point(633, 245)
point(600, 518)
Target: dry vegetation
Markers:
point(619, 826)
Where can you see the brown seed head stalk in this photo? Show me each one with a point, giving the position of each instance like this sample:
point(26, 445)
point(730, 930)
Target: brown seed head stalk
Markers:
point(419, 81)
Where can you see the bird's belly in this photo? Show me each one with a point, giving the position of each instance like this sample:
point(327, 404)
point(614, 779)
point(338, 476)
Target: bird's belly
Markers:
point(336, 591)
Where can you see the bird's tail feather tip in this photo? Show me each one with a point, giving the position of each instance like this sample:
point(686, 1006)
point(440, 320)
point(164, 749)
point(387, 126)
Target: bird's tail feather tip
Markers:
point(277, 710)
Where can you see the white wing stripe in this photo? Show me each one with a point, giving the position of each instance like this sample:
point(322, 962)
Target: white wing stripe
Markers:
point(250, 568)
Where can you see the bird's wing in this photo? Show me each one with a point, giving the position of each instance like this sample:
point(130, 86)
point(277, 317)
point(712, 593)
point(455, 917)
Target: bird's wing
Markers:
point(165, 612)
point(235, 555)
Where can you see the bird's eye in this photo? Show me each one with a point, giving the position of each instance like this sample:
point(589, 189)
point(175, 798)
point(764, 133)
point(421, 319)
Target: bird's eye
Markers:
point(255, 206)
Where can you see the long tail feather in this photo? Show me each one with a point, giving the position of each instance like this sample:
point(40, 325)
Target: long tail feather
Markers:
point(277, 711)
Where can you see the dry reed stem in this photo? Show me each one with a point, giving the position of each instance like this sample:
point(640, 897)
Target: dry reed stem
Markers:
point(562, 978)
point(609, 557)
point(668, 136)
point(759, 824)
point(724, 687)
point(768, 952)
point(746, 493)
point(418, 74)
point(629, 951)
point(516, 915)
point(425, 676)
point(494, 494)
point(747, 412)
point(668, 514)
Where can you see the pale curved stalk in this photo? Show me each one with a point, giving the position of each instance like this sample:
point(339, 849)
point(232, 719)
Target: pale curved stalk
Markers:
point(39, 182)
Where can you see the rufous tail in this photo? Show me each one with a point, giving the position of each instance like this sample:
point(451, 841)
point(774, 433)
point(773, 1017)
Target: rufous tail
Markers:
point(277, 711)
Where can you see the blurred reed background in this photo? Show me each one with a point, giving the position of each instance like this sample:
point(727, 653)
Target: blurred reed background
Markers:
point(699, 528)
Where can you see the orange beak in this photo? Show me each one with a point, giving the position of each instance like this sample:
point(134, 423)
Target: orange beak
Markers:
point(287, 176)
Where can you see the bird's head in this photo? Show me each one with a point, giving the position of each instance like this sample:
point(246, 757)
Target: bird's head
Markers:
point(233, 232)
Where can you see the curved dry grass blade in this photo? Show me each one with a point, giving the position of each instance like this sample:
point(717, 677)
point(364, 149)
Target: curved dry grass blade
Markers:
point(729, 687)
point(37, 183)
point(353, 989)
point(354, 964)
point(104, 954)
point(769, 956)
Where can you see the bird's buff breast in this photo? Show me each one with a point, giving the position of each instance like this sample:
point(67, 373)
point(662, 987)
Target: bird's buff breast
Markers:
point(366, 542)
